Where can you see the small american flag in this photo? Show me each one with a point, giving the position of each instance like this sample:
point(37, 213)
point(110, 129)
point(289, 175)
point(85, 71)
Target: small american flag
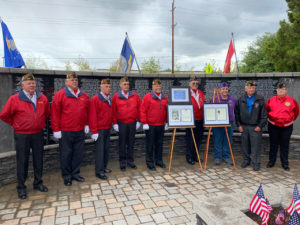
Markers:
point(280, 219)
point(258, 206)
point(294, 220)
point(295, 204)
point(269, 205)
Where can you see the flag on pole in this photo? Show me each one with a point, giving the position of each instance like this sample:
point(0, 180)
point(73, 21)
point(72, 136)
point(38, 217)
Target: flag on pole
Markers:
point(258, 206)
point(294, 220)
point(295, 204)
point(280, 219)
point(126, 57)
point(269, 205)
point(12, 56)
point(228, 58)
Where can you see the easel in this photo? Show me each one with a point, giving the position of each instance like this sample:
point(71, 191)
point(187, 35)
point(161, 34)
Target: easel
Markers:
point(171, 148)
point(209, 131)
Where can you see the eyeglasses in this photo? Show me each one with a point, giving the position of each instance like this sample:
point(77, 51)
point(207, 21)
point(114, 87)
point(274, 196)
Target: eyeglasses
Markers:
point(195, 83)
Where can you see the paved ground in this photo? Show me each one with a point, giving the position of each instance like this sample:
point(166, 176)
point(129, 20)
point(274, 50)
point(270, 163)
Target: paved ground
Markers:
point(135, 196)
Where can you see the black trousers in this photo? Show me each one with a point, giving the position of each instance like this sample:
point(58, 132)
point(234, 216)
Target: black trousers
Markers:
point(126, 142)
point(71, 147)
point(198, 133)
point(251, 144)
point(101, 152)
point(279, 136)
point(23, 143)
point(154, 144)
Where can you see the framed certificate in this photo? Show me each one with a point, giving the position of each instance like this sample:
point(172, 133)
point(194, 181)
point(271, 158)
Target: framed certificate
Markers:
point(181, 115)
point(180, 95)
point(216, 114)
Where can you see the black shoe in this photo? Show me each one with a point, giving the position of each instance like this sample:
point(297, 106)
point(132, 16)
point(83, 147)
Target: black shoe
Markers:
point(196, 160)
point(150, 167)
point(78, 178)
point(256, 167)
point(41, 188)
point(101, 176)
point(22, 194)
point(190, 161)
point(270, 165)
point(285, 167)
point(132, 165)
point(161, 164)
point(122, 168)
point(245, 164)
point(68, 182)
point(107, 170)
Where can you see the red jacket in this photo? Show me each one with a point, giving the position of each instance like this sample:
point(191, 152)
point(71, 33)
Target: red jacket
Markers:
point(282, 111)
point(154, 110)
point(69, 113)
point(198, 111)
point(23, 115)
point(100, 113)
point(126, 110)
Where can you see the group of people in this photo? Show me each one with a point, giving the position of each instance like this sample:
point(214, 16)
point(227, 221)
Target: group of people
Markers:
point(73, 115)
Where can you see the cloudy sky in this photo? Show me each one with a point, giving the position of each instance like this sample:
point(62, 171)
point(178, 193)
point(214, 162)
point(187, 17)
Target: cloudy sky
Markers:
point(57, 31)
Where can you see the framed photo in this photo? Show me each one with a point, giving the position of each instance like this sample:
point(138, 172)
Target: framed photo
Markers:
point(216, 114)
point(181, 115)
point(180, 95)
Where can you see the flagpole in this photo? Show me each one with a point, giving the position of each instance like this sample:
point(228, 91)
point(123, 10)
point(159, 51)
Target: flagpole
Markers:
point(237, 66)
point(133, 53)
point(3, 56)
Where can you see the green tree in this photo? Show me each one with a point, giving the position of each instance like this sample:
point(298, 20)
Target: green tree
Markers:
point(36, 63)
point(258, 57)
point(277, 52)
point(80, 63)
point(68, 65)
point(287, 50)
point(177, 68)
point(113, 66)
point(151, 66)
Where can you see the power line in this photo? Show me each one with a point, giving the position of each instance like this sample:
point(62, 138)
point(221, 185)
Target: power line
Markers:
point(207, 13)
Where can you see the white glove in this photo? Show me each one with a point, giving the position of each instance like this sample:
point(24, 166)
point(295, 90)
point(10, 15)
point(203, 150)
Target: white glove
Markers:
point(166, 126)
point(57, 134)
point(145, 127)
point(86, 129)
point(94, 136)
point(116, 127)
point(138, 124)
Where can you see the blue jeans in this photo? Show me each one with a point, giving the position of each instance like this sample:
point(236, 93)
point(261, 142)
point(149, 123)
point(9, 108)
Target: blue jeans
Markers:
point(221, 143)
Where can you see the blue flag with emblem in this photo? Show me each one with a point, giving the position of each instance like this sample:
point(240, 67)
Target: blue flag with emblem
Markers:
point(126, 57)
point(12, 56)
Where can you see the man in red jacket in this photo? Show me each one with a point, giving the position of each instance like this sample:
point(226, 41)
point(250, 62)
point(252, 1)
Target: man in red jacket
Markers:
point(282, 111)
point(154, 119)
point(27, 111)
point(126, 108)
point(69, 119)
point(197, 99)
point(100, 122)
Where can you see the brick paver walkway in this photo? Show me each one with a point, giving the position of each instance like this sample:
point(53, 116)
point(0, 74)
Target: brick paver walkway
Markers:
point(135, 196)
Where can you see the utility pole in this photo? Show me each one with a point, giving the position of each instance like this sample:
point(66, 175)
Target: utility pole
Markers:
point(173, 27)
